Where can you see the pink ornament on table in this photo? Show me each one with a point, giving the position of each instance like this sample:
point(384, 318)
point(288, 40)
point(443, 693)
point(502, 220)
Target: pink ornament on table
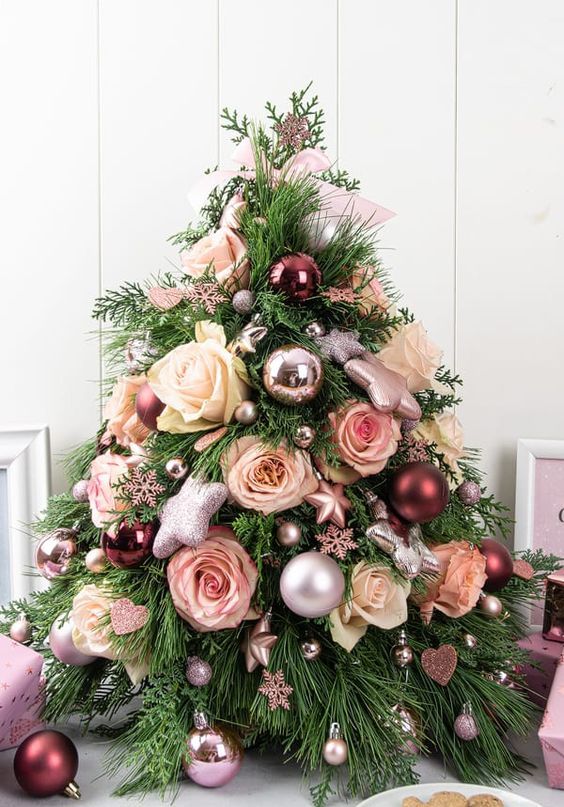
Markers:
point(46, 763)
point(214, 755)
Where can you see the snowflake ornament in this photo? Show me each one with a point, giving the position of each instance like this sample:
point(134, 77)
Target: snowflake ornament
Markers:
point(416, 449)
point(336, 295)
point(208, 295)
point(142, 487)
point(275, 689)
point(293, 131)
point(337, 542)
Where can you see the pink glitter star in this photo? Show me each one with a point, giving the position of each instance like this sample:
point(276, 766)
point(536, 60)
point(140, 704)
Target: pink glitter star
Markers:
point(335, 541)
point(275, 689)
point(142, 487)
point(336, 295)
point(293, 131)
point(208, 295)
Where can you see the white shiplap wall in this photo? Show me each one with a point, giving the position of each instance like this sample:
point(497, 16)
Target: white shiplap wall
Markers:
point(450, 112)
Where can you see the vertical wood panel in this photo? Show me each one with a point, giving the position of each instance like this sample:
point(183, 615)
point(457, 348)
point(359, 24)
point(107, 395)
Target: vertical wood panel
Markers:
point(510, 226)
point(49, 215)
point(397, 134)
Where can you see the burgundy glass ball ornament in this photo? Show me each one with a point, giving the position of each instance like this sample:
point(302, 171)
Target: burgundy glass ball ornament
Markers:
point(54, 551)
point(418, 492)
point(214, 755)
point(131, 545)
point(312, 584)
point(296, 275)
point(499, 564)
point(62, 645)
point(148, 407)
point(46, 763)
point(293, 375)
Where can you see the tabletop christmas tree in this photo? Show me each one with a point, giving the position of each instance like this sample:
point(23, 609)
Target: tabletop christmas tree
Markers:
point(277, 537)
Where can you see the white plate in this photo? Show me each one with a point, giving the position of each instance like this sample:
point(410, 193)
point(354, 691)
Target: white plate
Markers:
point(394, 798)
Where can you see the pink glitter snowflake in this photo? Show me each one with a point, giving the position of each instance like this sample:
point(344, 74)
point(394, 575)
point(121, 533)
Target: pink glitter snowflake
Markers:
point(416, 449)
point(208, 295)
point(275, 689)
point(293, 131)
point(335, 541)
point(336, 295)
point(142, 487)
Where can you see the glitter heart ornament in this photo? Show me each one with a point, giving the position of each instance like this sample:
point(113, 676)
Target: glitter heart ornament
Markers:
point(126, 617)
point(523, 569)
point(163, 298)
point(440, 664)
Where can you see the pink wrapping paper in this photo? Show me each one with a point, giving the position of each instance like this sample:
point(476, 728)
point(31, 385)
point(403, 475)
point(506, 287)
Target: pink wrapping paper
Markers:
point(21, 692)
point(551, 732)
point(546, 655)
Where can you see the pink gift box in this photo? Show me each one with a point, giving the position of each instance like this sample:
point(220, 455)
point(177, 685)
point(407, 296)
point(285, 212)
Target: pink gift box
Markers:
point(551, 732)
point(21, 692)
point(553, 618)
point(546, 655)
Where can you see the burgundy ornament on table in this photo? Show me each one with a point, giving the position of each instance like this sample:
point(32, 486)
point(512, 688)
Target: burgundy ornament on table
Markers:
point(296, 275)
point(148, 407)
point(293, 375)
point(54, 551)
point(418, 492)
point(62, 645)
point(46, 763)
point(499, 564)
point(214, 755)
point(312, 584)
point(131, 545)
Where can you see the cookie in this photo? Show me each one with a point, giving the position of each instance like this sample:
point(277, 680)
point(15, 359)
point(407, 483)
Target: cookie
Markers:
point(447, 799)
point(411, 801)
point(485, 800)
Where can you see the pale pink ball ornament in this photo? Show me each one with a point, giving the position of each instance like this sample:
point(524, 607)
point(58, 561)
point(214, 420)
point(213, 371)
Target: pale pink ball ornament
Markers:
point(20, 630)
point(312, 584)
point(80, 491)
point(95, 560)
point(214, 754)
point(465, 726)
point(62, 645)
point(335, 749)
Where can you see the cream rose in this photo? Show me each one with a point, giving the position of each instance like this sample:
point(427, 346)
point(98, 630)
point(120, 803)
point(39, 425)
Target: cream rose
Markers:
point(120, 412)
point(411, 353)
point(369, 289)
point(445, 431)
point(106, 472)
point(267, 479)
point(201, 383)
point(225, 252)
point(376, 599)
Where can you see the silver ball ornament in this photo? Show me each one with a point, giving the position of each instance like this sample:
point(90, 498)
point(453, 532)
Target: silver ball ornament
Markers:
point(20, 630)
point(246, 413)
point(315, 328)
point(304, 436)
point(491, 605)
point(243, 301)
point(312, 584)
point(469, 493)
point(288, 533)
point(470, 641)
point(80, 491)
point(198, 671)
point(311, 648)
point(176, 468)
point(335, 750)
point(95, 560)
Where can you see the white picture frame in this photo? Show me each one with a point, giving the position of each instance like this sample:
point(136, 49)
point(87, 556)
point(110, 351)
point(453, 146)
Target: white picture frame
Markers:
point(25, 479)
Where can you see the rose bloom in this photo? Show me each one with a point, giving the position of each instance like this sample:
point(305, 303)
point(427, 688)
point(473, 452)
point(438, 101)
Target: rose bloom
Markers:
point(211, 586)
point(225, 252)
point(369, 289)
point(267, 479)
point(365, 439)
point(202, 383)
point(231, 212)
point(92, 630)
point(462, 577)
point(445, 431)
point(105, 472)
point(120, 412)
point(411, 353)
point(376, 599)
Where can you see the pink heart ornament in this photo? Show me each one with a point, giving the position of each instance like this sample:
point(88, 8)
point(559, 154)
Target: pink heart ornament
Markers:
point(163, 298)
point(126, 617)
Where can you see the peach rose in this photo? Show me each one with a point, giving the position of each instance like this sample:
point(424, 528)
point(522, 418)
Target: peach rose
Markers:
point(376, 599)
point(120, 412)
point(211, 586)
point(105, 473)
point(411, 353)
point(462, 577)
point(202, 383)
point(225, 252)
point(369, 289)
point(445, 431)
point(267, 479)
point(231, 212)
point(365, 439)
point(91, 633)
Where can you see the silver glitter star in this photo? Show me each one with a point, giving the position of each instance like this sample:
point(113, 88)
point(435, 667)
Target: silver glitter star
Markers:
point(186, 516)
point(340, 345)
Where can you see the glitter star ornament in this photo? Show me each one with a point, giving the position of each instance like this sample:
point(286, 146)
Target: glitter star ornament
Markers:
point(276, 690)
point(330, 502)
point(142, 487)
point(337, 542)
point(340, 346)
point(185, 517)
point(258, 643)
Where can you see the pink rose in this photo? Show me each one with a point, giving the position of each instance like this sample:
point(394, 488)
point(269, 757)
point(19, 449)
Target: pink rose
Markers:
point(369, 290)
point(120, 412)
point(365, 439)
point(226, 252)
point(231, 212)
point(105, 472)
point(463, 574)
point(211, 586)
point(267, 479)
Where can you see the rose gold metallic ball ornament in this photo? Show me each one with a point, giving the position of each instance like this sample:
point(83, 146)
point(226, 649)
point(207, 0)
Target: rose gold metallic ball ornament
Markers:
point(311, 648)
point(54, 551)
point(62, 645)
point(214, 755)
point(176, 468)
point(402, 653)
point(95, 560)
point(80, 491)
point(470, 641)
point(408, 724)
point(46, 763)
point(288, 533)
point(293, 375)
point(465, 725)
point(20, 630)
point(131, 545)
point(315, 329)
point(312, 584)
point(335, 749)
point(490, 605)
point(499, 564)
point(469, 493)
point(148, 407)
point(246, 413)
point(297, 276)
point(418, 492)
point(304, 436)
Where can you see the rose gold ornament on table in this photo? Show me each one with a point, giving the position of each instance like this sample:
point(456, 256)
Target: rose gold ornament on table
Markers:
point(131, 545)
point(288, 533)
point(335, 750)
point(20, 630)
point(418, 492)
point(148, 407)
point(46, 763)
point(54, 552)
point(297, 276)
point(312, 584)
point(176, 468)
point(62, 644)
point(213, 755)
point(499, 564)
point(293, 375)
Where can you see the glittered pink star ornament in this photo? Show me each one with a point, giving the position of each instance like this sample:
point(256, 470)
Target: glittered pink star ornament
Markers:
point(275, 689)
point(330, 502)
point(185, 517)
